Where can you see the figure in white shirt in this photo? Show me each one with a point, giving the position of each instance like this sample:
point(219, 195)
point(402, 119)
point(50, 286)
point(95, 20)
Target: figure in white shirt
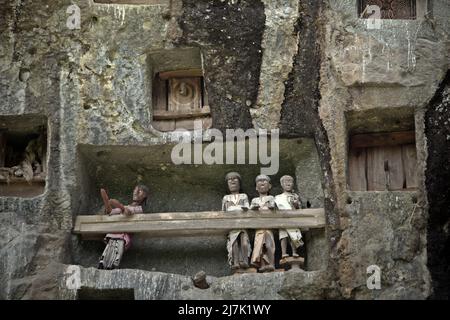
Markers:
point(289, 200)
point(263, 256)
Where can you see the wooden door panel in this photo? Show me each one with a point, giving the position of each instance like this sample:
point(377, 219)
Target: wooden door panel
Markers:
point(184, 94)
point(357, 169)
point(393, 158)
point(409, 156)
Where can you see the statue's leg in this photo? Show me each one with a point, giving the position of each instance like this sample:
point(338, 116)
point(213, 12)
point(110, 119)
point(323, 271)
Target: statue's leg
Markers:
point(284, 253)
point(107, 256)
point(244, 250)
point(235, 255)
point(118, 253)
point(294, 250)
point(101, 263)
point(258, 248)
point(270, 246)
point(268, 259)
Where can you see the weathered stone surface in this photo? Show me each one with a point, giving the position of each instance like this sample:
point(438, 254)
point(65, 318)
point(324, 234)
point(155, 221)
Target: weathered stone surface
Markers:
point(165, 286)
point(299, 110)
point(384, 230)
point(29, 256)
point(437, 119)
point(18, 244)
point(280, 44)
point(230, 33)
point(94, 86)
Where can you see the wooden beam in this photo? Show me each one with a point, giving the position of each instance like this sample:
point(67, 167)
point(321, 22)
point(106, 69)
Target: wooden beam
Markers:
point(357, 169)
point(198, 223)
point(170, 115)
point(11, 180)
point(148, 2)
point(368, 140)
point(165, 75)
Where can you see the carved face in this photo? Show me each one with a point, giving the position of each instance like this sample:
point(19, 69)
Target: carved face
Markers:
point(234, 184)
point(139, 195)
point(263, 186)
point(288, 184)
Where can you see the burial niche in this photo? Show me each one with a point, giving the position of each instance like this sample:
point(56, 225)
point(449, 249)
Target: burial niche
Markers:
point(382, 152)
point(86, 293)
point(23, 156)
point(179, 95)
point(397, 9)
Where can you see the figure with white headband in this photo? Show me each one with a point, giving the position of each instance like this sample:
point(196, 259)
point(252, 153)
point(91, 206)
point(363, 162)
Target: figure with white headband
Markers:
point(263, 256)
point(289, 200)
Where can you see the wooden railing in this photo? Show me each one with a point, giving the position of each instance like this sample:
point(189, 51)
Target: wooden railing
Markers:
point(197, 223)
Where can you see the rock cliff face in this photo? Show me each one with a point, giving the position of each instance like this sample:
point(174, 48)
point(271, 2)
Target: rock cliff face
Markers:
point(312, 69)
point(156, 285)
point(437, 129)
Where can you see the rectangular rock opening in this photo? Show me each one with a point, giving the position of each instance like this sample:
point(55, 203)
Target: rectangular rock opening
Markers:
point(396, 10)
point(23, 155)
point(184, 188)
point(105, 294)
point(382, 155)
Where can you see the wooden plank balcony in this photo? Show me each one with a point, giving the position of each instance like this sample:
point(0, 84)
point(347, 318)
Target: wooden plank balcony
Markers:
point(197, 223)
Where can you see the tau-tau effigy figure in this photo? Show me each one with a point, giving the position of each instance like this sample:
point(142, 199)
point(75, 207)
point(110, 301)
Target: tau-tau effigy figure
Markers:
point(263, 256)
point(117, 243)
point(289, 200)
point(238, 244)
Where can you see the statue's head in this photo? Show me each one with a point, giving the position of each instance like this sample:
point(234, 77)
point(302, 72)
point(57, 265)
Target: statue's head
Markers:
point(287, 183)
point(140, 193)
point(233, 180)
point(263, 185)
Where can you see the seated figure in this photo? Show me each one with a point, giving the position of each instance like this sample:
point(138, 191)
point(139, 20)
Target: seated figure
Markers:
point(263, 256)
point(238, 243)
point(289, 200)
point(117, 243)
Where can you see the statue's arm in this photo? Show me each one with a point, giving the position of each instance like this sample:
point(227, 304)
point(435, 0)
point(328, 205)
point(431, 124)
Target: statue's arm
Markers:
point(271, 204)
point(245, 204)
point(224, 208)
point(130, 210)
point(297, 203)
point(254, 205)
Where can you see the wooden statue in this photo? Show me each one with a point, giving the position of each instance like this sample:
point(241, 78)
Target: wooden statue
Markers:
point(117, 243)
point(263, 256)
point(238, 243)
point(289, 200)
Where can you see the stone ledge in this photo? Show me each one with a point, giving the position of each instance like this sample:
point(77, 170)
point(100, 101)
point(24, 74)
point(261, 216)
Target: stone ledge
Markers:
point(149, 285)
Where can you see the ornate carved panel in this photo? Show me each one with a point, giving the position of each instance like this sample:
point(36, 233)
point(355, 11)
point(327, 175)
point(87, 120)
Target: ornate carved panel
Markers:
point(179, 98)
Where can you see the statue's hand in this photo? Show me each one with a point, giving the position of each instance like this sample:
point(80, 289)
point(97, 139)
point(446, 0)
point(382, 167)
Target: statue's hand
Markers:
point(127, 212)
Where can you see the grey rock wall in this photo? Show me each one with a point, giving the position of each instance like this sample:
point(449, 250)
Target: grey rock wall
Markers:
point(165, 286)
point(306, 67)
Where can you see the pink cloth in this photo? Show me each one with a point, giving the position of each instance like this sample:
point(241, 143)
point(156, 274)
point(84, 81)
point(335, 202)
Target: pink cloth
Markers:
point(123, 236)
